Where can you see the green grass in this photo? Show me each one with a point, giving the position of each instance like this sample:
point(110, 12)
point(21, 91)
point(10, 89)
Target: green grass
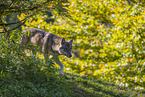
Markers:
point(67, 85)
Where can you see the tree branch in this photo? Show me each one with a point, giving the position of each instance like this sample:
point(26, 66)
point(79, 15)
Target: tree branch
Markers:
point(17, 26)
point(14, 28)
point(6, 24)
point(20, 9)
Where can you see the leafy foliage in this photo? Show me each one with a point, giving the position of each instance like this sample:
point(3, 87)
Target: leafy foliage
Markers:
point(109, 44)
point(23, 75)
point(109, 39)
point(10, 8)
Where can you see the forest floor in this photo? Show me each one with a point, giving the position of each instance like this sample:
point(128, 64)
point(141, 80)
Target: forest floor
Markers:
point(67, 85)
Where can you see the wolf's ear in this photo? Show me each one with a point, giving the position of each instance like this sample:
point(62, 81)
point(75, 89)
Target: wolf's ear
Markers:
point(70, 41)
point(62, 41)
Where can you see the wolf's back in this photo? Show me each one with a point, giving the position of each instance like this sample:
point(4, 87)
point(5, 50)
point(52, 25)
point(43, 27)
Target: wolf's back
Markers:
point(31, 32)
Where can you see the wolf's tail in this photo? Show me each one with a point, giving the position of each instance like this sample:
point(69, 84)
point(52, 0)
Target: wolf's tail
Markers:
point(25, 39)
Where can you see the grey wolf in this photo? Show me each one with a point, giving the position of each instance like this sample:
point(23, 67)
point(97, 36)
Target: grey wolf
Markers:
point(48, 43)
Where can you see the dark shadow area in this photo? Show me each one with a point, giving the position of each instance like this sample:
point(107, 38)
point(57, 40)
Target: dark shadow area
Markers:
point(97, 88)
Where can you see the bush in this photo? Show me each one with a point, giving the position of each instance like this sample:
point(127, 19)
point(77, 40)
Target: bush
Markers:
point(15, 64)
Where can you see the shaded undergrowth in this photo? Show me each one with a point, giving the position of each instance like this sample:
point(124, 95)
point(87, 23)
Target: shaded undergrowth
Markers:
point(26, 76)
point(66, 85)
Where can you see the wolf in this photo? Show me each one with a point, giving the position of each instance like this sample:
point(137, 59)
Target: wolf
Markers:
point(48, 43)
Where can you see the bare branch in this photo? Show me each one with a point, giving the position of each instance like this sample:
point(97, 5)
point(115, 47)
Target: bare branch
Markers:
point(3, 24)
point(6, 24)
point(17, 26)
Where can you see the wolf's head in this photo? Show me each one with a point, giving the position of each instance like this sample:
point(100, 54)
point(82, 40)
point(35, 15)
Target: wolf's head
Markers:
point(66, 47)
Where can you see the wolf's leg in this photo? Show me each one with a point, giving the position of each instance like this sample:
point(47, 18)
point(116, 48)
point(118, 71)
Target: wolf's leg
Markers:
point(56, 59)
point(34, 53)
point(46, 56)
point(24, 43)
